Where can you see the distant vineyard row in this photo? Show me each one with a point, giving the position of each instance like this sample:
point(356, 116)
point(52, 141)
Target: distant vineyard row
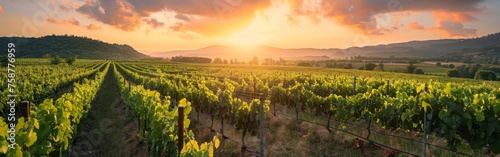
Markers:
point(458, 112)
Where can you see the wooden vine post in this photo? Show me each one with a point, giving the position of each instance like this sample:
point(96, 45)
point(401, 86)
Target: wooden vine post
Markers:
point(25, 112)
point(180, 131)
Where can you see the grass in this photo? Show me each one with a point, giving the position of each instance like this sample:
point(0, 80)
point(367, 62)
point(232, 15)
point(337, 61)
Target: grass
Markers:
point(283, 137)
point(398, 143)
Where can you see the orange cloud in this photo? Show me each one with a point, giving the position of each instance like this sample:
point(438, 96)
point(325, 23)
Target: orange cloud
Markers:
point(119, 13)
point(182, 17)
point(1, 9)
point(71, 21)
point(454, 29)
point(360, 15)
point(454, 16)
point(154, 23)
point(69, 6)
point(93, 27)
point(451, 24)
point(415, 26)
point(211, 15)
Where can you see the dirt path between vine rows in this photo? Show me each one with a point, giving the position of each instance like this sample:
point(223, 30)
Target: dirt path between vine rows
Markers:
point(109, 130)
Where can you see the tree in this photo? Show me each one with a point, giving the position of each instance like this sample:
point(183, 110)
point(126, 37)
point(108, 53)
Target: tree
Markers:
point(411, 68)
point(191, 59)
point(438, 64)
point(451, 66)
point(255, 60)
point(473, 69)
point(348, 66)
point(485, 75)
point(452, 73)
point(225, 61)
point(468, 60)
point(46, 56)
point(369, 66)
point(218, 61)
point(4, 60)
point(71, 60)
point(381, 65)
point(282, 61)
point(56, 60)
point(304, 64)
point(378, 69)
point(419, 71)
point(412, 61)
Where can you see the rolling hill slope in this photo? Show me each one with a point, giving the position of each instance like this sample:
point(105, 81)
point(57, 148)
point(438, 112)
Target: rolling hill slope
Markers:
point(66, 46)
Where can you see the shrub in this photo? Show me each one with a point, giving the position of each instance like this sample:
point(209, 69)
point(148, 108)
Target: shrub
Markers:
point(419, 71)
point(56, 60)
point(370, 66)
point(452, 73)
point(485, 75)
point(70, 60)
point(411, 69)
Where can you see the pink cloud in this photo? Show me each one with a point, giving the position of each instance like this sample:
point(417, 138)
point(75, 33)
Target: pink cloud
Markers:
point(154, 23)
point(71, 21)
point(360, 15)
point(415, 26)
point(93, 27)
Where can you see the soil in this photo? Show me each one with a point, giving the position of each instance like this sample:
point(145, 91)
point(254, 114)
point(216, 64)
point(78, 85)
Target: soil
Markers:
point(109, 129)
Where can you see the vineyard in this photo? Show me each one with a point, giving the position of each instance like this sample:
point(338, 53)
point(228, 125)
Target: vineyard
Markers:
point(463, 114)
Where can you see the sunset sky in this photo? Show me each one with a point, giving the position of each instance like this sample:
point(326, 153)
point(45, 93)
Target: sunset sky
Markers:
point(163, 25)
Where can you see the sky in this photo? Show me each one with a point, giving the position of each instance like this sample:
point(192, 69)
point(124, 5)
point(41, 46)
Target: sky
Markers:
point(163, 25)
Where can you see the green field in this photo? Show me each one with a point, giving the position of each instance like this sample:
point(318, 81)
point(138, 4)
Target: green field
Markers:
point(148, 93)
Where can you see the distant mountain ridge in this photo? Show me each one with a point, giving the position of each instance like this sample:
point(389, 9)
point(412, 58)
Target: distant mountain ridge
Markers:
point(66, 46)
point(490, 44)
point(246, 53)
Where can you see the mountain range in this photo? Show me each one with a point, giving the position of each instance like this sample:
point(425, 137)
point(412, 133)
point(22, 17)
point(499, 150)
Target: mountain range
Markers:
point(84, 47)
point(483, 46)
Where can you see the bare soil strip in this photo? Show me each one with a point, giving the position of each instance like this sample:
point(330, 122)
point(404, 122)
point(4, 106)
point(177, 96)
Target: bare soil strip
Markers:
point(109, 130)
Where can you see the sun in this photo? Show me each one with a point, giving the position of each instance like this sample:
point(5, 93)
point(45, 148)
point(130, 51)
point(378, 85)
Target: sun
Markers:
point(252, 35)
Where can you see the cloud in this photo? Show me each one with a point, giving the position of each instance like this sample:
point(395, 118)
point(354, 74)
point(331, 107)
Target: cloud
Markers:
point(93, 27)
point(1, 9)
point(117, 13)
point(71, 21)
point(154, 23)
point(178, 27)
point(361, 15)
point(69, 6)
point(182, 17)
point(454, 29)
point(206, 17)
point(415, 26)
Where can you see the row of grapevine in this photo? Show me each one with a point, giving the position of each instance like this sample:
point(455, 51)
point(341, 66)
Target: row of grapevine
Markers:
point(219, 104)
point(455, 111)
point(159, 121)
point(32, 84)
point(52, 123)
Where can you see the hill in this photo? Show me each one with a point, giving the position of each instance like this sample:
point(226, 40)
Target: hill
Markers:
point(66, 46)
point(247, 52)
point(434, 48)
point(486, 45)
